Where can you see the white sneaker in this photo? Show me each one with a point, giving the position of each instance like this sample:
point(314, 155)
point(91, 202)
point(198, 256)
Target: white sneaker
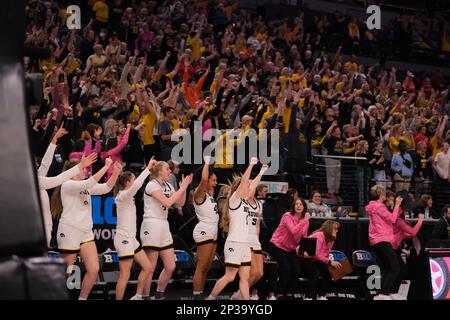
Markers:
point(382, 297)
point(308, 299)
point(321, 298)
point(396, 296)
point(272, 298)
point(136, 297)
point(236, 296)
point(253, 297)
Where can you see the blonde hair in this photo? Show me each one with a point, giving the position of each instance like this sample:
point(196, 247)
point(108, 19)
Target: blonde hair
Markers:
point(157, 169)
point(360, 146)
point(225, 219)
point(56, 203)
point(110, 131)
point(376, 191)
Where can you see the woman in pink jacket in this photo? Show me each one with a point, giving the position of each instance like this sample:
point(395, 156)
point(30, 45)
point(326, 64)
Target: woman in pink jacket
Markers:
point(381, 237)
point(114, 148)
point(293, 227)
point(315, 266)
point(402, 231)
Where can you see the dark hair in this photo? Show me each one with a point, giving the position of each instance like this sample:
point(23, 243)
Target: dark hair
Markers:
point(305, 207)
point(312, 195)
point(91, 127)
point(445, 210)
point(166, 110)
point(122, 181)
point(92, 97)
point(79, 145)
point(424, 200)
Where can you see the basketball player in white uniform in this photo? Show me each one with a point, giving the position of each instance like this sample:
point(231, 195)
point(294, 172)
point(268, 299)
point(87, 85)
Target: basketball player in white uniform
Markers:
point(237, 250)
point(155, 233)
point(127, 247)
point(205, 232)
point(75, 226)
point(254, 209)
point(46, 183)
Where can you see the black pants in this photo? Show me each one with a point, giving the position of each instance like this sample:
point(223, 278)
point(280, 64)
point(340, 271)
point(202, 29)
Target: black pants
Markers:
point(389, 264)
point(288, 270)
point(268, 282)
point(312, 270)
point(401, 274)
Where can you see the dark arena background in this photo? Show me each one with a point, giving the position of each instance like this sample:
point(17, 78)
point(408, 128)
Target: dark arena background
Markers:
point(349, 108)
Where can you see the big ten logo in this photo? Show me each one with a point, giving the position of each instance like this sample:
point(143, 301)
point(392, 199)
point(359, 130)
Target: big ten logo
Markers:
point(336, 256)
point(103, 209)
point(374, 21)
point(73, 17)
point(111, 258)
point(181, 256)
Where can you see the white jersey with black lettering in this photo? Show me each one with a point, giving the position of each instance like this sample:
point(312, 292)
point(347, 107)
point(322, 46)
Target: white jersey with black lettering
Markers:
point(207, 211)
point(76, 202)
point(126, 208)
point(239, 224)
point(152, 207)
point(254, 214)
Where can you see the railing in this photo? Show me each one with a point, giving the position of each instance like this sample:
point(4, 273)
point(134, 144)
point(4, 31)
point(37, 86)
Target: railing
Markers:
point(346, 177)
point(351, 176)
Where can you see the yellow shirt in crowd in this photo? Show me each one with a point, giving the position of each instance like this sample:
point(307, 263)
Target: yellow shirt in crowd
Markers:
point(101, 11)
point(149, 119)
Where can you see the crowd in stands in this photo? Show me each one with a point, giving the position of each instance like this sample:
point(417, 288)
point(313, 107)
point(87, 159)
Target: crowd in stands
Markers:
point(137, 71)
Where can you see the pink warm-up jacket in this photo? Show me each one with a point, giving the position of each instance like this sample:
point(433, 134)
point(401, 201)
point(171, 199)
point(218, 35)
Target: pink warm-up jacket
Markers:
point(289, 232)
point(381, 222)
point(322, 247)
point(402, 230)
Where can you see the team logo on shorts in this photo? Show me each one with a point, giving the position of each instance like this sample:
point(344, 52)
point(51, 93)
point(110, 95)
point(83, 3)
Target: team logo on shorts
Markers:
point(62, 235)
point(203, 233)
point(125, 242)
point(231, 249)
point(146, 233)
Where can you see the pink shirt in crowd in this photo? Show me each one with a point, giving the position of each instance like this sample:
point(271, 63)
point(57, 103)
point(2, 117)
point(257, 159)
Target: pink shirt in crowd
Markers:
point(87, 150)
point(381, 222)
point(322, 247)
point(402, 230)
point(289, 232)
point(114, 153)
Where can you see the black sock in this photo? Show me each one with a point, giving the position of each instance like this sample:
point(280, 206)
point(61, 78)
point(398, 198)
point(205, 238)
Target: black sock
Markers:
point(159, 295)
